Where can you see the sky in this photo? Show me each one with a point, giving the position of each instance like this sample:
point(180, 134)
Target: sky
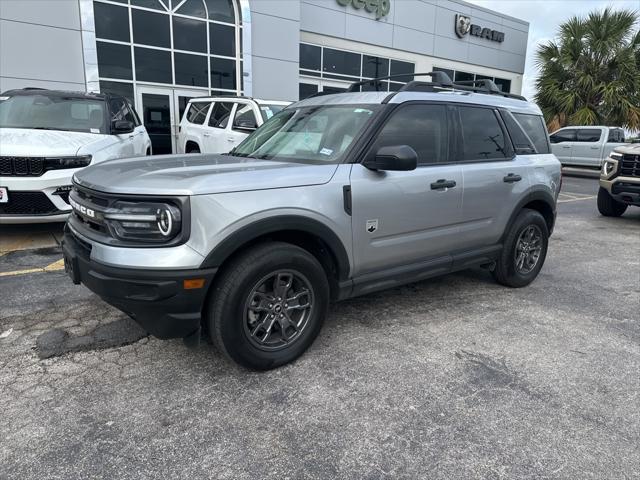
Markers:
point(544, 17)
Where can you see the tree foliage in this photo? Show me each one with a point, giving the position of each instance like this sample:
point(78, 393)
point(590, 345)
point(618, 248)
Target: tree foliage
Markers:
point(590, 75)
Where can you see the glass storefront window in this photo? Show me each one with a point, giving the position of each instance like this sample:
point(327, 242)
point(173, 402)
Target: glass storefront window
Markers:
point(134, 43)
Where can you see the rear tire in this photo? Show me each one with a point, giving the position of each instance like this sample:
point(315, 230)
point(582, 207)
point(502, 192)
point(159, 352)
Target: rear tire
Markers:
point(268, 305)
point(608, 206)
point(524, 250)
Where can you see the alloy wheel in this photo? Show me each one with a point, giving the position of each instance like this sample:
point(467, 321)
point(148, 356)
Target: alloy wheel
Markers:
point(528, 249)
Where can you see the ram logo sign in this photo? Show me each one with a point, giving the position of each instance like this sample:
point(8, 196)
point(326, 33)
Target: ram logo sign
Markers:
point(464, 26)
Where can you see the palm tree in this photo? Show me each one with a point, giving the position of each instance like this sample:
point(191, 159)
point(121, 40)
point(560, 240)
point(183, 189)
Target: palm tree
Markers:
point(590, 75)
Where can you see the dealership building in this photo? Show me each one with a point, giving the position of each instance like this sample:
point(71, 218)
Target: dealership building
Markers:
point(160, 53)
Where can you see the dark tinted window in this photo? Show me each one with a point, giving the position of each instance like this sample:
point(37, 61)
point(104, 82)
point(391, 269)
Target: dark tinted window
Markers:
point(422, 127)
point(589, 135)
point(221, 10)
point(374, 67)
point(154, 4)
point(503, 84)
point(198, 112)
point(112, 22)
point(306, 90)
point(220, 114)
point(153, 65)
point(191, 69)
point(463, 76)
point(398, 67)
point(337, 61)
point(521, 142)
point(223, 40)
point(117, 88)
point(482, 137)
point(194, 8)
point(533, 125)
point(150, 28)
point(616, 136)
point(245, 117)
point(223, 73)
point(309, 57)
point(189, 35)
point(563, 136)
point(114, 61)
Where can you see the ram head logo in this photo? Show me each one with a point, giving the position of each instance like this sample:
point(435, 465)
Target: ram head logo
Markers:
point(463, 25)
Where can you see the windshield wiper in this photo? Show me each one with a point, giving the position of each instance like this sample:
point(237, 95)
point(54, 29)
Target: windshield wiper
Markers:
point(50, 128)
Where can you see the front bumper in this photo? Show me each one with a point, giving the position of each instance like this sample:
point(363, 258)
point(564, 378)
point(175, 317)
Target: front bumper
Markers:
point(623, 189)
point(157, 300)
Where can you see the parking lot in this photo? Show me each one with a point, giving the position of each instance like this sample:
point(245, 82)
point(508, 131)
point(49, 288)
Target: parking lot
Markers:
point(455, 377)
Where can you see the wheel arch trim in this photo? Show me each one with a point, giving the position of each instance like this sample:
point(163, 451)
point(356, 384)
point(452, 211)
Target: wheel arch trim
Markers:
point(247, 234)
point(533, 195)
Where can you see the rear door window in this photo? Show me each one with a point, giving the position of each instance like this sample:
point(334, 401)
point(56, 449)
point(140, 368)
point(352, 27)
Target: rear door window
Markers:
point(568, 135)
point(589, 135)
point(422, 127)
point(220, 114)
point(197, 112)
point(482, 135)
point(534, 127)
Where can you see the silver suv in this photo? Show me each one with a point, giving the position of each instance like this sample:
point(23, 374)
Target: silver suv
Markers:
point(335, 196)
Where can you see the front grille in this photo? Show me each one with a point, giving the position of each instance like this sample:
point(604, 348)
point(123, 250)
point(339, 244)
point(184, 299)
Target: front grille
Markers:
point(22, 166)
point(93, 201)
point(630, 165)
point(27, 203)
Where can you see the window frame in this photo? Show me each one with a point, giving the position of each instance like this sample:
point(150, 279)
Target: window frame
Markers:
point(367, 150)
point(239, 106)
point(577, 140)
point(232, 113)
point(206, 115)
point(509, 149)
point(575, 135)
point(540, 119)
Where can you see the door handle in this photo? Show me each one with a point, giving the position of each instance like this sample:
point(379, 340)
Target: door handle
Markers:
point(443, 184)
point(207, 134)
point(231, 139)
point(595, 148)
point(511, 178)
point(566, 146)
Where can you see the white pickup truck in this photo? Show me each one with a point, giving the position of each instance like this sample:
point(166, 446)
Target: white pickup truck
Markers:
point(585, 146)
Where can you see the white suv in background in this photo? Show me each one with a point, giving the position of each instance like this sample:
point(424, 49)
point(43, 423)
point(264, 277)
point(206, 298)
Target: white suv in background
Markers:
point(48, 135)
point(206, 127)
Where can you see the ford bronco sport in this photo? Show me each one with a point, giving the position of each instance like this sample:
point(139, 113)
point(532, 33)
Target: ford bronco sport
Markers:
point(620, 181)
point(333, 197)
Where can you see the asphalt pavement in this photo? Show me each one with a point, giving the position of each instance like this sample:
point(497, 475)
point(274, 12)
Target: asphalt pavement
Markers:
point(455, 377)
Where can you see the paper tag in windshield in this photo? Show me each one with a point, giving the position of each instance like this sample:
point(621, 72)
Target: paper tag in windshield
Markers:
point(267, 111)
point(94, 130)
point(362, 110)
point(326, 151)
point(4, 98)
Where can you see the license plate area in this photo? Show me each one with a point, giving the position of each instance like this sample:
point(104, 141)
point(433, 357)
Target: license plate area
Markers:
point(71, 266)
point(4, 195)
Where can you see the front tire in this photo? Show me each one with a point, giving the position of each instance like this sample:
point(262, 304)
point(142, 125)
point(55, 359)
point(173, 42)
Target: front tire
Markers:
point(268, 305)
point(608, 206)
point(524, 250)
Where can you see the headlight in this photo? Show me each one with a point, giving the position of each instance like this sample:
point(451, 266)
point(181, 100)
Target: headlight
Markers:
point(66, 162)
point(151, 222)
point(608, 167)
point(615, 156)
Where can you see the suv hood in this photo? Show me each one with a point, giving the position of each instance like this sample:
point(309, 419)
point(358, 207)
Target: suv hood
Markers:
point(198, 175)
point(25, 142)
point(630, 149)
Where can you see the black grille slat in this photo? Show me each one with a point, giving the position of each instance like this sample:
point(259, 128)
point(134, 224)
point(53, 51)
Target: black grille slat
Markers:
point(27, 203)
point(21, 166)
point(630, 165)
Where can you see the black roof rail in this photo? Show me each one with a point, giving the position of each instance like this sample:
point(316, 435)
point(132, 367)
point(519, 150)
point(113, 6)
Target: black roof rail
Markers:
point(440, 81)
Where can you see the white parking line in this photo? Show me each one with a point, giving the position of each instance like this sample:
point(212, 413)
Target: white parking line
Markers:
point(577, 199)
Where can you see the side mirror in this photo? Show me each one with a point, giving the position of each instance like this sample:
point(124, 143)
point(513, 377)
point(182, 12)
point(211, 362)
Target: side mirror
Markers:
point(398, 158)
point(246, 125)
point(122, 126)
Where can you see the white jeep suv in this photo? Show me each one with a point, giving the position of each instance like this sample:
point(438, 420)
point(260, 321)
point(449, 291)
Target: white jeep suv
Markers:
point(206, 127)
point(48, 135)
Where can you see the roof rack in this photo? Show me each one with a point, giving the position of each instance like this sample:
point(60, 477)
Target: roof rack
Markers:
point(440, 81)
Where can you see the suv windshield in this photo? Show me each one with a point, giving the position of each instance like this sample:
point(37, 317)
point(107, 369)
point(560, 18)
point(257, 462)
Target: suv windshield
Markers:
point(319, 134)
point(53, 113)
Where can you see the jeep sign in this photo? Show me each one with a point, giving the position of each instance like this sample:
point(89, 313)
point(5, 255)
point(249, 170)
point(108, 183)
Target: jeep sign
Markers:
point(463, 26)
point(380, 7)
